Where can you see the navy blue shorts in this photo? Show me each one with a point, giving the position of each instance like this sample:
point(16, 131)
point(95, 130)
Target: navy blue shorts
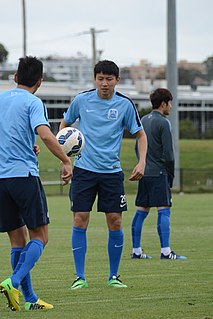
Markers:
point(109, 187)
point(22, 202)
point(154, 191)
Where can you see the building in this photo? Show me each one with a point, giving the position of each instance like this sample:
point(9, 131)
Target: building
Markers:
point(73, 70)
point(146, 70)
point(78, 70)
point(194, 106)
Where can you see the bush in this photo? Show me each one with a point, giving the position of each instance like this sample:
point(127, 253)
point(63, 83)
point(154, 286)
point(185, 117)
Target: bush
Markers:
point(188, 130)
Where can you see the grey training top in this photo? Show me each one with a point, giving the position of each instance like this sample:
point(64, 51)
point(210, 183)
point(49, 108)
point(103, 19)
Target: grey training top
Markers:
point(160, 152)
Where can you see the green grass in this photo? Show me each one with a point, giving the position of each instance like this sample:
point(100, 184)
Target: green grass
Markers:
point(196, 163)
point(157, 289)
point(194, 154)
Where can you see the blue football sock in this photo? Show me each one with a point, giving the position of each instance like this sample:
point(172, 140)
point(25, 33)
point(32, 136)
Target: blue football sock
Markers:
point(26, 284)
point(115, 247)
point(164, 227)
point(137, 224)
point(79, 248)
point(28, 257)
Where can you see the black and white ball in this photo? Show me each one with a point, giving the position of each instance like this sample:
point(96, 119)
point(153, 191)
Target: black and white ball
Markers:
point(71, 140)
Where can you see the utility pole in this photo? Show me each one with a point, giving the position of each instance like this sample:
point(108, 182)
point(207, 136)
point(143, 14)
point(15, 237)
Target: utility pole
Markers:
point(94, 50)
point(172, 82)
point(94, 58)
point(24, 28)
point(93, 33)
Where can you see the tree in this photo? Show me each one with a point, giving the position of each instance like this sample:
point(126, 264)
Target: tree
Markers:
point(190, 76)
point(209, 67)
point(3, 54)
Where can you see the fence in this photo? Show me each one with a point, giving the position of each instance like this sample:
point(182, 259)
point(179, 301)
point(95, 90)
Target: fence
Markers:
point(191, 181)
point(196, 180)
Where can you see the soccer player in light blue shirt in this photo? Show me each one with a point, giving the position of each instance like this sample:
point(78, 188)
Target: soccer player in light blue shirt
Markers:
point(22, 199)
point(102, 115)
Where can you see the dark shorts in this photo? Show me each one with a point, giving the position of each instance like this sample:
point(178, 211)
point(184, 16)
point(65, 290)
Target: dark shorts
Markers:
point(109, 187)
point(154, 191)
point(22, 202)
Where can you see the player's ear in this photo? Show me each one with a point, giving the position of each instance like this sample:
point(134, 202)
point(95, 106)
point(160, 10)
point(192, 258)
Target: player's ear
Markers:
point(38, 84)
point(15, 78)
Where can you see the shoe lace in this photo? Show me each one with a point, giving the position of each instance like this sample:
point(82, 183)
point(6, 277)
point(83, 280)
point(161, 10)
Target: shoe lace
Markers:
point(116, 278)
point(77, 279)
point(143, 255)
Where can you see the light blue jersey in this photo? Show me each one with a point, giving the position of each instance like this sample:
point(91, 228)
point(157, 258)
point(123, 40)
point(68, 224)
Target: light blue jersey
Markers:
point(21, 112)
point(102, 123)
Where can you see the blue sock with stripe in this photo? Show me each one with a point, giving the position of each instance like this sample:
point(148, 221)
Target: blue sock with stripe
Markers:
point(26, 284)
point(137, 224)
point(163, 227)
point(115, 247)
point(28, 257)
point(79, 248)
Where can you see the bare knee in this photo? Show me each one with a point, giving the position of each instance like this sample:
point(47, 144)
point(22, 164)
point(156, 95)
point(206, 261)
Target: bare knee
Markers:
point(40, 233)
point(114, 221)
point(18, 237)
point(81, 219)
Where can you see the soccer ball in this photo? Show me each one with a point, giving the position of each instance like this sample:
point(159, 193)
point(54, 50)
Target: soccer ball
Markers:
point(71, 140)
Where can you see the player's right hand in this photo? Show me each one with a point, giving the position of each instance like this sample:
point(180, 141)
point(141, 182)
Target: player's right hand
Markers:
point(66, 172)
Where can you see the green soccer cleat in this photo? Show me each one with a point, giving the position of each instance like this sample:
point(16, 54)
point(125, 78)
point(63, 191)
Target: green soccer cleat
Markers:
point(38, 305)
point(79, 283)
point(115, 282)
point(11, 293)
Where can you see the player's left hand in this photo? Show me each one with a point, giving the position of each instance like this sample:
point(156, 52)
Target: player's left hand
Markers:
point(137, 173)
point(36, 149)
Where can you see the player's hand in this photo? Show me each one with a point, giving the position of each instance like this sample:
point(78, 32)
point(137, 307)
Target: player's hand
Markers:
point(137, 172)
point(170, 180)
point(66, 172)
point(36, 149)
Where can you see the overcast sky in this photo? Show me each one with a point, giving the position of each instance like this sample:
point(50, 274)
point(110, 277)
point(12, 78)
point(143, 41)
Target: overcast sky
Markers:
point(131, 30)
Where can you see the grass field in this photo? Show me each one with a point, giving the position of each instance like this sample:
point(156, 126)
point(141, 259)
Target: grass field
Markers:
point(157, 289)
point(196, 163)
point(194, 154)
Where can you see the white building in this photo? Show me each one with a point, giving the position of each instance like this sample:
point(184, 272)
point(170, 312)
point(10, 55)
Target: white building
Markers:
point(73, 70)
point(197, 106)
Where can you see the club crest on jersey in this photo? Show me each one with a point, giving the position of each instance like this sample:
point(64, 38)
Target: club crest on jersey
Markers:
point(112, 114)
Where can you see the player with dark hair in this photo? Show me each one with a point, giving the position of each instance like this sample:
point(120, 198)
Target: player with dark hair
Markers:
point(154, 189)
point(22, 198)
point(104, 67)
point(103, 114)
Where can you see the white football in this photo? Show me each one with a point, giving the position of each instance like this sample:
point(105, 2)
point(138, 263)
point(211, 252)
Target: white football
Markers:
point(71, 140)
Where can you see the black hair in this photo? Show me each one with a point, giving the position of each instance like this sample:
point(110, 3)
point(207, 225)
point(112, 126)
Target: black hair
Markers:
point(106, 67)
point(30, 71)
point(160, 95)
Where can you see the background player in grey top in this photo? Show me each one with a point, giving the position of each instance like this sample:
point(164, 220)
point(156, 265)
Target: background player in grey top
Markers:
point(154, 189)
